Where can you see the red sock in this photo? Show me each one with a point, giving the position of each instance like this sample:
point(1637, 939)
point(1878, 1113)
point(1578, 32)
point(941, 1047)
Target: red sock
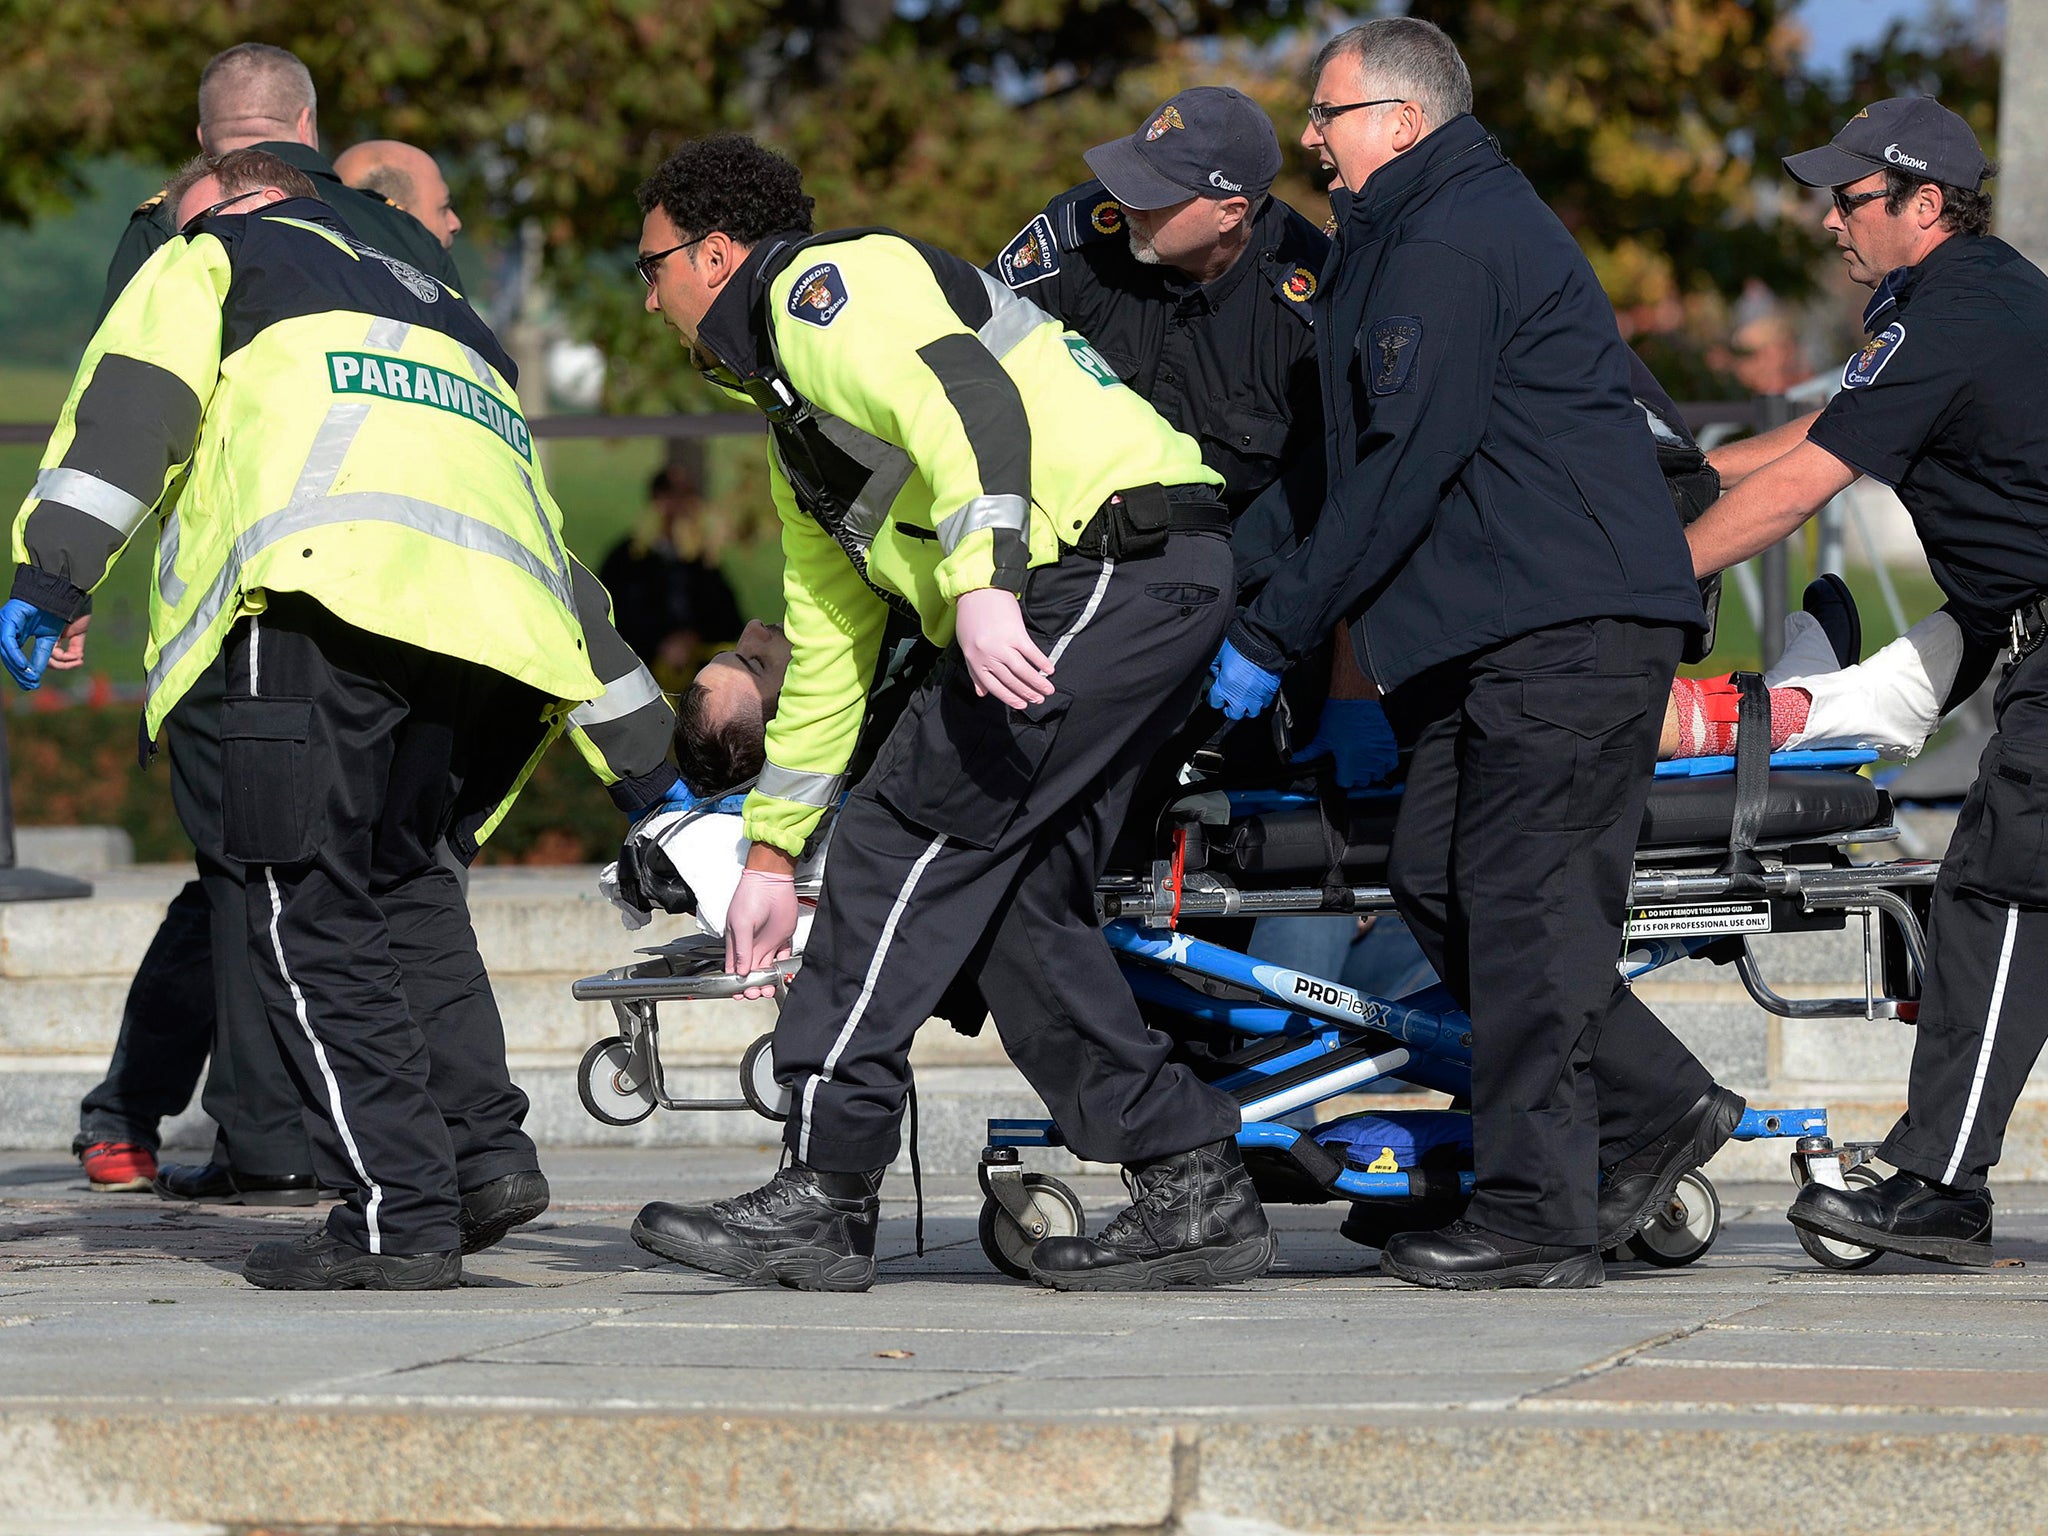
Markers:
point(1709, 709)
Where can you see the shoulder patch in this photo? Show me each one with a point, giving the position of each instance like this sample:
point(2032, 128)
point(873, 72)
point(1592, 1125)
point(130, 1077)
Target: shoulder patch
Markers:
point(1032, 256)
point(1298, 286)
point(1864, 367)
point(1390, 352)
point(1106, 217)
point(150, 203)
point(818, 295)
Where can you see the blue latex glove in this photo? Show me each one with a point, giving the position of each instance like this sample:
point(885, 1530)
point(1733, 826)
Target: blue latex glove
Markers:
point(1242, 688)
point(1355, 735)
point(27, 636)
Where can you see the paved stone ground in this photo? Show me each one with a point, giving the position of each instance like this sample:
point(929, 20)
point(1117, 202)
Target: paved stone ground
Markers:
point(141, 1380)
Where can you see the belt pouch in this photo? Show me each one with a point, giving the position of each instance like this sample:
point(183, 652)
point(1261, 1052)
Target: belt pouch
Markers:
point(1141, 521)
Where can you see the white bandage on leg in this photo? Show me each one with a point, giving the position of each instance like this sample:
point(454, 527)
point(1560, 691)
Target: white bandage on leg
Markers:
point(1890, 704)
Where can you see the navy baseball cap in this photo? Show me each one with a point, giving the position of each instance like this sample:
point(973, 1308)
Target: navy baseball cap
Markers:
point(1914, 134)
point(1209, 141)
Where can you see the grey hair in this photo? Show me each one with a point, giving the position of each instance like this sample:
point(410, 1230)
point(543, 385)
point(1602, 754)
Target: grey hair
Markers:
point(250, 84)
point(1407, 57)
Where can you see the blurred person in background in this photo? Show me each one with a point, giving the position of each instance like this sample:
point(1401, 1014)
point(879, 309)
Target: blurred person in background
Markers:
point(672, 604)
point(407, 178)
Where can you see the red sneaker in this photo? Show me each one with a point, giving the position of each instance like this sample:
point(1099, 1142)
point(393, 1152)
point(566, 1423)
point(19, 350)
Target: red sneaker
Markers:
point(119, 1166)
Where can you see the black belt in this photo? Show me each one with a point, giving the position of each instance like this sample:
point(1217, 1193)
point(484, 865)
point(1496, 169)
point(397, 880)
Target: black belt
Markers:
point(1136, 522)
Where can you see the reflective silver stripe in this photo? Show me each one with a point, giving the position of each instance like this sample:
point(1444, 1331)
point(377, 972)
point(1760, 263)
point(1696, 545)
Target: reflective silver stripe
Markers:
point(983, 512)
point(388, 335)
point(889, 470)
point(330, 448)
point(867, 992)
point(99, 499)
point(169, 584)
point(478, 366)
point(636, 690)
point(423, 517)
point(1010, 320)
point(1087, 613)
point(815, 789)
point(372, 1188)
point(1955, 1162)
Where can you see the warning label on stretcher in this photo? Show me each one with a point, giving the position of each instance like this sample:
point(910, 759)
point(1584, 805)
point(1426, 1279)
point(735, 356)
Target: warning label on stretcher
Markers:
point(1697, 918)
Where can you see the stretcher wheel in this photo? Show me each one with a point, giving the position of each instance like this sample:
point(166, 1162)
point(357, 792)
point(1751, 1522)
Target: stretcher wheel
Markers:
point(758, 1087)
point(1684, 1229)
point(1832, 1252)
point(1007, 1244)
point(607, 1087)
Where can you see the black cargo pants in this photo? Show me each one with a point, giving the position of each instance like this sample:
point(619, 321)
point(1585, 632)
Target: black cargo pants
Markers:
point(1511, 861)
point(981, 831)
point(194, 1001)
point(346, 756)
point(1984, 1011)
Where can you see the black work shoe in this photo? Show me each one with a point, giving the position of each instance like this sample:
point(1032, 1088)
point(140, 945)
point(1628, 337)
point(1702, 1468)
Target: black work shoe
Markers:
point(319, 1261)
point(215, 1185)
point(1904, 1214)
point(491, 1210)
point(1642, 1184)
point(1466, 1257)
point(805, 1229)
point(1194, 1219)
point(1829, 600)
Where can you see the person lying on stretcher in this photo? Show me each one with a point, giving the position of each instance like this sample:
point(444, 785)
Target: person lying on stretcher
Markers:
point(1890, 704)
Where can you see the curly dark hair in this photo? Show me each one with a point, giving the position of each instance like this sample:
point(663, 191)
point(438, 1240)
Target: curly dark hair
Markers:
point(717, 755)
point(1964, 210)
point(728, 182)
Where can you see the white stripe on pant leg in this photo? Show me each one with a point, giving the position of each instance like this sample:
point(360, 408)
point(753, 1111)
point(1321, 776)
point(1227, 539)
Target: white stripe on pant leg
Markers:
point(867, 992)
point(1955, 1162)
point(255, 640)
point(1094, 602)
point(348, 1137)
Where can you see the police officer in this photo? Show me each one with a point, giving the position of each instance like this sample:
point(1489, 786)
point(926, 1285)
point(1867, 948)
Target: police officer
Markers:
point(942, 445)
point(1195, 283)
point(1941, 402)
point(254, 94)
point(363, 532)
point(251, 94)
point(1503, 543)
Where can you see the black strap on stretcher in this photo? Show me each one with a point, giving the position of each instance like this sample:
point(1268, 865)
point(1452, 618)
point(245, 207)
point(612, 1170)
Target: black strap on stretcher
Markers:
point(1744, 870)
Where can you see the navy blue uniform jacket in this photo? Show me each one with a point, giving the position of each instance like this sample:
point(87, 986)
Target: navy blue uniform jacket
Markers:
point(1490, 472)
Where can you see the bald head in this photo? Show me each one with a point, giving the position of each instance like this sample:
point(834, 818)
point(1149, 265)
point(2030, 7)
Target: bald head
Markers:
point(408, 176)
point(256, 94)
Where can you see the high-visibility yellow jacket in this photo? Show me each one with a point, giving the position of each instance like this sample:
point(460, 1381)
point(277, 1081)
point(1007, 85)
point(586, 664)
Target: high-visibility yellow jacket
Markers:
point(931, 433)
point(307, 414)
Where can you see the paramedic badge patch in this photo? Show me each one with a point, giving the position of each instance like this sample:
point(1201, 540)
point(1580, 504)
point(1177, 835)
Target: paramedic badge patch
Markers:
point(819, 295)
point(1390, 352)
point(1299, 285)
point(1108, 217)
point(1867, 364)
point(1033, 255)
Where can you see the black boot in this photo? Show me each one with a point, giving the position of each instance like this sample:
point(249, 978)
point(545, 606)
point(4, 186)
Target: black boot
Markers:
point(321, 1262)
point(212, 1184)
point(1465, 1257)
point(1905, 1214)
point(1641, 1184)
point(806, 1229)
point(1194, 1219)
point(491, 1210)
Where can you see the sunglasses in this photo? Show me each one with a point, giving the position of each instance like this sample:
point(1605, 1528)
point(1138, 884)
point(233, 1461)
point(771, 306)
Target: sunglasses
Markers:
point(1846, 205)
point(1321, 113)
point(226, 202)
point(647, 266)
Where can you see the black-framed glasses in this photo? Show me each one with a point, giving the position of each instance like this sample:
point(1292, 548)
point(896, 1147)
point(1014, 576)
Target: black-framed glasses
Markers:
point(226, 202)
point(647, 266)
point(1846, 205)
point(1321, 113)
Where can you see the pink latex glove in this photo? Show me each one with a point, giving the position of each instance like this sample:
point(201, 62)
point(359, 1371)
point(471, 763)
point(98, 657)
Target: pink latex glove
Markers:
point(760, 924)
point(1001, 657)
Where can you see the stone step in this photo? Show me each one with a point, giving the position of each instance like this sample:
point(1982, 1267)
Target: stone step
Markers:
point(73, 850)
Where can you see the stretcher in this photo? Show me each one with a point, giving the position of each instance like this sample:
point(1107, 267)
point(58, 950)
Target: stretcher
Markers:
point(1729, 850)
